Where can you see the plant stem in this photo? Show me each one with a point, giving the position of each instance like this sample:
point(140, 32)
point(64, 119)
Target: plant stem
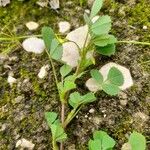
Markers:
point(55, 147)
point(134, 42)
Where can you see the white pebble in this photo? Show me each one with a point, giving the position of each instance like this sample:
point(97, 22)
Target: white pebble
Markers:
point(43, 72)
point(34, 44)
point(91, 110)
point(145, 27)
point(23, 143)
point(87, 11)
point(11, 80)
point(32, 25)
point(64, 26)
point(86, 116)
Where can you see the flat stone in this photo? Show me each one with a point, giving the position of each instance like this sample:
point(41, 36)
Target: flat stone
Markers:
point(126, 146)
point(91, 110)
point(64, 26)
point(34, 44)
point(43, 71)
point(11, 80)
point(23, 143)
point(4, 2)
point(54, 4)
point(32, 25)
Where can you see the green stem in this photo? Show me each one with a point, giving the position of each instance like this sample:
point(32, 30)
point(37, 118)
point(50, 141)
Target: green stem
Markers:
point(55, 147)
point(134, 42)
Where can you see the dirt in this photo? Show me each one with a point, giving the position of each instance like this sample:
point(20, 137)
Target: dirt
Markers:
point(24, 104)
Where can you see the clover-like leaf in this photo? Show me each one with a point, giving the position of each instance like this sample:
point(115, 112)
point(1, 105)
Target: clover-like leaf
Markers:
point(97, 76)
point(50, 117)
point(104, 40)
point(76, 99)
point(137, 141)
point(115, 77)
point(107, 50)
point(101, 26)
point(65, 70)
point(97, 5)
point(101, 141)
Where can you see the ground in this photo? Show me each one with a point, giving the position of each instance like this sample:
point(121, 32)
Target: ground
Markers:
point(24, 104)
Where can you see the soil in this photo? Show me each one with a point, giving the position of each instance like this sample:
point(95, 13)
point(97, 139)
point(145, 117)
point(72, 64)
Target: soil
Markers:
point(23, 105)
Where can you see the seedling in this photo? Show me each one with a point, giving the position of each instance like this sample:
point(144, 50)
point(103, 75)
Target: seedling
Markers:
point(102, 141)
point(97, 40)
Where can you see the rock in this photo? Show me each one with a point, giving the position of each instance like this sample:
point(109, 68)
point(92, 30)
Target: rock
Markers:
point(43, 71)
point(34, 44)
point(126, 146)
point(140, 115)
point(123, 102)
point(3, 127)
point(128, 82)
point(54, 4)
point(11, 80)
point(32, 25)
point(97, 120)
point(23, 143)
point(90, 3)
point(42, 3)
point(3, 57)
point(145, 27)
point(64, 26)
point(70, 54)
point(91, 110)
point(72, 147)
point(87, 11)
point(79, 36)
point(4, 2)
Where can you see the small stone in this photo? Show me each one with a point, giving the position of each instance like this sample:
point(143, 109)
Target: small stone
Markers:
point(11, 80)
point(3, 128)
point(140, 115)
point(34, 44)
point(32, 25)
point(70, 54)
point(86, 116)
point(79, 36)
point(43, 71)
point(145, 27)
point(72, 147)
point(4, 2)
point(91, 110)
point(123, 102)
point(95, 19)
point(126, 146)
point(13, 58)
point(90, 3)
point(3, 57)
point(87, 11)
point(64, 26)
point(54, 4)
point(23, 143)
point(42, 3)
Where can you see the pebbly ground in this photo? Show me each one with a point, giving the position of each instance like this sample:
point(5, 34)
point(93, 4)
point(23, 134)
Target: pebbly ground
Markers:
point(23, 105)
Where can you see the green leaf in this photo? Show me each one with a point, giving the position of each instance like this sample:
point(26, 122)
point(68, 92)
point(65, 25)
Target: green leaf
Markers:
point(58, 132)
point(50, 117)
point(107, 141)
point(65, 70)
point(101, 26)
point(97, 5)
point(115, 77)
point(69, 85)
point(48, 35)
point(110, 89)
point(137, 141)
point(97, 76)
point(104, 40)
point(56, 49)
point(76, 99)
point(107, 50)
point(102, 141)
point(94, 145)
point(87, 19)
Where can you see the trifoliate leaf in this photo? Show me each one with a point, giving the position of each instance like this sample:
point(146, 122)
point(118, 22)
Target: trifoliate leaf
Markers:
point(56, 49)
point(110, 89)
point(102, 141)
point(97, 76)
point(76, 99)
point(104, 40)
point(65, 70)
point(50, 117)
point(115, 77)
point(97, 5)
point(101, 26)
point(107, 50)
point(137, 141)
point(48, 35)
point(69, 85)
point(107, 141)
